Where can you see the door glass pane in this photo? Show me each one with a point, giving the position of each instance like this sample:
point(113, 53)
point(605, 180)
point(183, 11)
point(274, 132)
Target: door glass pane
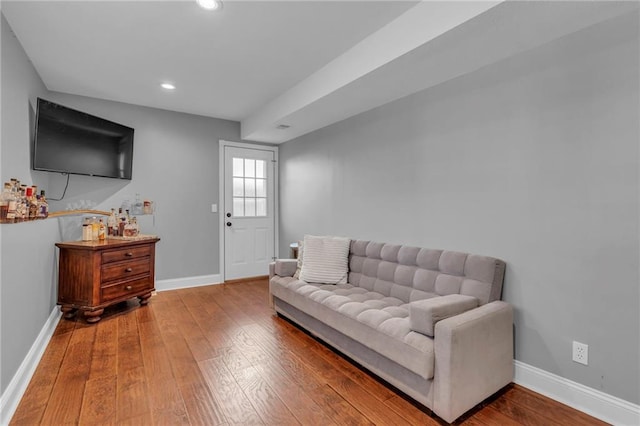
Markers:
point(249, 206)
point(238, 187)
point(250, 187)
point(249, 167)
point(238, 207)
point(261, 188)
point(238, 167)
point(260, 170)
point(261, 206)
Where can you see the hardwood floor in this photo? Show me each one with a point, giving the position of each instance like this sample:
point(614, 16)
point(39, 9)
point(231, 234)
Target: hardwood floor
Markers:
point(216, 355)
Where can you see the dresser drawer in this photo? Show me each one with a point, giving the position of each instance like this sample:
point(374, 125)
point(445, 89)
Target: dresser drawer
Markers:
point(126, 289)
point(126, 254)
point(125, 270)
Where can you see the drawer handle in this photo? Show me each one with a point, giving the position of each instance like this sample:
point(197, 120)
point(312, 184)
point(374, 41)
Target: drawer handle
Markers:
point(128, 270)
point(129, 254)
point(128, 287)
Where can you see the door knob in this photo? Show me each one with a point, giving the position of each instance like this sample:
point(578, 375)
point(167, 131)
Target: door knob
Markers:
point(228, 214)
point(228, 223)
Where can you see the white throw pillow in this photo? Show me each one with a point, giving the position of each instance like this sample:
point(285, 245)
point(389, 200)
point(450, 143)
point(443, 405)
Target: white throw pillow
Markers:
point(326, 260)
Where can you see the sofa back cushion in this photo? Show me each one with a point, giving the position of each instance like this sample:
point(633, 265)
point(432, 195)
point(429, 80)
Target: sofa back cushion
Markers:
point(412, 273)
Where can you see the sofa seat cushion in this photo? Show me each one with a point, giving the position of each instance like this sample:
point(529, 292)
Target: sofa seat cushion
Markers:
point(372, 319)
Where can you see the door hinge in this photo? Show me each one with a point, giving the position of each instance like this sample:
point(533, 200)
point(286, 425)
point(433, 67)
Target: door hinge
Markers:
point(274, 161)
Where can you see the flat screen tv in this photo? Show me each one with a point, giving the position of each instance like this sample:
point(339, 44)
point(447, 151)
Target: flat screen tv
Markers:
point(74, 142)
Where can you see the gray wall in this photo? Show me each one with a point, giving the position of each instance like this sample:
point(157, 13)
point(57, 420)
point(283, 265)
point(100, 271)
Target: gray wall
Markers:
point(533, 160)
point(175, 164)
point(27, 292)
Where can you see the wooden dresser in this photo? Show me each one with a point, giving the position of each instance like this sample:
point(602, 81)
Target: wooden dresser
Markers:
point(95, 274)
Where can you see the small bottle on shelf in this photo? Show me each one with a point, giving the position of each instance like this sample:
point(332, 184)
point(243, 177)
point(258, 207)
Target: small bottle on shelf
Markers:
point(21, 203)
point(12, 203)
point(43, 210)
point(31, 204)
point(4, 203)
point(38, 205)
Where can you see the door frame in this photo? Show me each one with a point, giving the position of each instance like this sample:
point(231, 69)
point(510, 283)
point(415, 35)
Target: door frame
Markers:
point(221, 198)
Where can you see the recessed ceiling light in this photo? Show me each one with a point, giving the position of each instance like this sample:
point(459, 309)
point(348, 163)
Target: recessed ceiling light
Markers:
point(168, 86)
point(210, 4)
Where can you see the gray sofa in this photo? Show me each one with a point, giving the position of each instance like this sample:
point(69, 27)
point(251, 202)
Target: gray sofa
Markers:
point(429, 322)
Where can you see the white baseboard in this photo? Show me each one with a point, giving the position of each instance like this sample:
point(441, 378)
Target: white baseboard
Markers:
point(176, 283)
point(13, 393)
point(588, 400)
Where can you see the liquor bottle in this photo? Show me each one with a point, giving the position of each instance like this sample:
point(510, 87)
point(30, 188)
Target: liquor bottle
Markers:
point(87, 231)
point(136, 227)
point(43, 207)
point(4, 202)
point(122, 221)
point(95, 228)
point(12, 202)
point(111, 221)
point(31, 204)
point(22, 208)
point(128, 230)
point(115, 229)
point(102, 231)
point(38, 205)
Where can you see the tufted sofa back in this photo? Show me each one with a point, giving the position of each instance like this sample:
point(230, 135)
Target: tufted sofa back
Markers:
point(412, 273)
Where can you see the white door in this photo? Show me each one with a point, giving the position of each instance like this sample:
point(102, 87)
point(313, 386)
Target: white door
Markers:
point(249, 212)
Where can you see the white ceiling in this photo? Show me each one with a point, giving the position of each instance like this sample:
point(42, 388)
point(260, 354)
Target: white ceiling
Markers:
point(303, 63)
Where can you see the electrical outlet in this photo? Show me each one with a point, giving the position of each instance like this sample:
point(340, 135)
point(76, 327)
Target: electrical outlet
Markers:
point(581, 353)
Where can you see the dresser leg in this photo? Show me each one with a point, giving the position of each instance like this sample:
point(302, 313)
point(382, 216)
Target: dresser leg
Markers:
point(68, 311)
point(144, 299)
point(93, 316)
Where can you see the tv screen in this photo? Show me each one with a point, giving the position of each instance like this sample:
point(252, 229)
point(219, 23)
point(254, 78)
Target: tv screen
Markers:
point(70, 141)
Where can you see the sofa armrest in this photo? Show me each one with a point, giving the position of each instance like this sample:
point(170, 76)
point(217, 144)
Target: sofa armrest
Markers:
point(473, 358)
point(425, 314)
point(283, 267)
point(272, 270)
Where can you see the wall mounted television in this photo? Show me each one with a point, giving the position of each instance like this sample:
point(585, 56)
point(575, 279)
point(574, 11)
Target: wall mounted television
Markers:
point(74, 142)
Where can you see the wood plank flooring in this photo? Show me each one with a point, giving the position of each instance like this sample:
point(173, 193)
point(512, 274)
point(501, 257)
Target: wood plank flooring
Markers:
point(217, 355)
